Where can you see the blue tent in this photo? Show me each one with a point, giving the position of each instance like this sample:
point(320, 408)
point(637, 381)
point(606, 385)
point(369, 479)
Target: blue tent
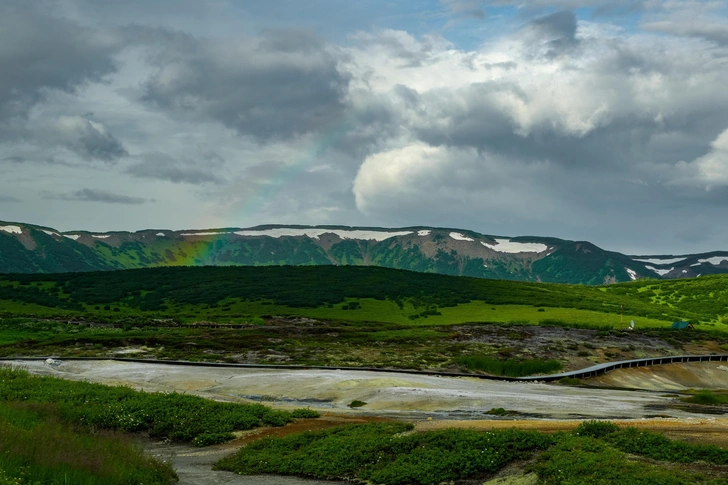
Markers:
point(682, 325)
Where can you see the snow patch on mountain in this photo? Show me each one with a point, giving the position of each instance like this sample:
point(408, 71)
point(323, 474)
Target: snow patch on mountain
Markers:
point(459, 237)
point(508, 246)
point(11, 229)
point(203, 233)
point(660, 261)
point(315, 233)
point(632, 274)
point(661, 272)
point(715, 260)
point(160, 234)
point(424, 232)
point(100, 236)
point(72, 236)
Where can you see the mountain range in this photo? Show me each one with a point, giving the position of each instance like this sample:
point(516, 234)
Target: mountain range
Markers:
point(28, 248)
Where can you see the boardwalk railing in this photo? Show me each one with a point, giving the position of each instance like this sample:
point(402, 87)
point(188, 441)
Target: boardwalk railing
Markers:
point(592, 371)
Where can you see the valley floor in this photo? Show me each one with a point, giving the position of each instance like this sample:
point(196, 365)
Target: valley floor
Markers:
point(385, 394)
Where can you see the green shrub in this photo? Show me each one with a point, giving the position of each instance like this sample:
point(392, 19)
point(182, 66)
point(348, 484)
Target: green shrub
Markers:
point(357, 404)
point(305, 413)
point(707, 397)
point(595, 429)
point(570, 381)
point(207, 439)
point(380, 453)
point(658, 447)
point(577, 460)
point(510, 367)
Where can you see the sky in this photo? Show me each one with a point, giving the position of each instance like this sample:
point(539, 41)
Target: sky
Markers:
point(594, 120)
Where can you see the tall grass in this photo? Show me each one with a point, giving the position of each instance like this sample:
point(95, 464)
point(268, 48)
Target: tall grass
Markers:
point(510, 367)
point(36, 446)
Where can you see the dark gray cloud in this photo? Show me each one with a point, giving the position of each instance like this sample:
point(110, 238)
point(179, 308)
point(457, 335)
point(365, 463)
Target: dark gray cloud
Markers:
point(95, 195)
point(160, 166)
point(8, 198)
point(88, 139)
point(552, 35)
point(40, 53)
point(280, 85)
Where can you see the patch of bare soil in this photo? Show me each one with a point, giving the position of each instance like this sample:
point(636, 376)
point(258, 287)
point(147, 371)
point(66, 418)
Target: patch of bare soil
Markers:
point(704, 430)
point(667, 377)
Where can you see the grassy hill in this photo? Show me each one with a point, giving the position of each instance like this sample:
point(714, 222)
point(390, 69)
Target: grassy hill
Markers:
point(355, 293)
point(352, 315)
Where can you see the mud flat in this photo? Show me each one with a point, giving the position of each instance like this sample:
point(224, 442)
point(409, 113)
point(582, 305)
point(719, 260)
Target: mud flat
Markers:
point(386, 394)
point(668, 377)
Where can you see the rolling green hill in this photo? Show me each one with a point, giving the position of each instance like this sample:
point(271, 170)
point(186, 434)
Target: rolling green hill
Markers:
point(344, 292)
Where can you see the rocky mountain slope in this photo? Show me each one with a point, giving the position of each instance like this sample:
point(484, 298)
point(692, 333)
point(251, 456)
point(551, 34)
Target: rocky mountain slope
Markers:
point(26, 248)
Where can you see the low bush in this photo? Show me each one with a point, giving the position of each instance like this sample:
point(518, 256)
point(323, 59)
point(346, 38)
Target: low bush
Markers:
point(509, 367)
point(579, 460)
point(305, 413)
point(707, 397)
point(595, 429)
point(207, 439)
point(658, 447)
point(385, 453)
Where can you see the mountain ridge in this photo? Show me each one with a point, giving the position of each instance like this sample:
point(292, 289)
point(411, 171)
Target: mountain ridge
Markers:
point(29, 248)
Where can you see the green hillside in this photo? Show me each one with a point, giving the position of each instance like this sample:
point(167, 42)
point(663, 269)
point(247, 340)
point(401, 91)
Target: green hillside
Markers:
point(330, 290)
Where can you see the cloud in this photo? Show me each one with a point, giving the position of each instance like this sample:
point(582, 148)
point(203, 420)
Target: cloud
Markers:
point(280, 85)
point(89, 139)
point(710, 170)
point(95, 195)
point(8, 198)
point(464, 8)
point(160, 166)
point(40, 54)
point(440, 182)
point(701, 28)
point(553, 34)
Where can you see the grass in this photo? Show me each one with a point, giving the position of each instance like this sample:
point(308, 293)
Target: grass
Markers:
point(509, 367)
point(390, 453)
point(164, 416)
point(37, 446)
point(708, 397)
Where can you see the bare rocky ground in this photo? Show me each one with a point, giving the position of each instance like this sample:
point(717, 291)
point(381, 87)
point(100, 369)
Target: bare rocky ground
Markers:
point(677, 377)
point(392, 395)
point(580, 348)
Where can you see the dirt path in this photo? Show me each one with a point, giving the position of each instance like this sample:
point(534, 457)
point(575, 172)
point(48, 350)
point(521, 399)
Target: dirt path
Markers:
point(194, 465)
